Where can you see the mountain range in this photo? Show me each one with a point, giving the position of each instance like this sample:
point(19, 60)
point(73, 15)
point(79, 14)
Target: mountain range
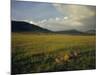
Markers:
point(21, 26)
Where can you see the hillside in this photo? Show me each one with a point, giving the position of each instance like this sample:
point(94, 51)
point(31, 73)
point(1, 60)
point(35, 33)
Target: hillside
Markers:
point(70, 32)
point(91, 31)
point(20, 26)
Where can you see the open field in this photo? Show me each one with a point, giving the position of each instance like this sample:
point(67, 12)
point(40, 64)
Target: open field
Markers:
point(32, 53)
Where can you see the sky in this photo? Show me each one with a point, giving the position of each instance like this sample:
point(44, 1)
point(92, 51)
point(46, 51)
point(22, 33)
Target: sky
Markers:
point(55, 16)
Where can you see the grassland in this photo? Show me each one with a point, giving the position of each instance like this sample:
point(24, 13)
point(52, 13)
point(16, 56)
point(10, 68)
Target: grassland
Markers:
point(32, 53)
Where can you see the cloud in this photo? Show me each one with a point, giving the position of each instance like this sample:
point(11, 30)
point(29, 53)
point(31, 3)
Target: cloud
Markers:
point(65, 17)
point(59, 24)
point(43, 21)
point(57, 19)
point(30, 21)
point(75, 17)
point(80, 11)
point(50, 19)
point(78, 15)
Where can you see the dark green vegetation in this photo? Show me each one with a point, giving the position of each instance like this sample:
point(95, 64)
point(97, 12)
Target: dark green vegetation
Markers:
point(32, 53)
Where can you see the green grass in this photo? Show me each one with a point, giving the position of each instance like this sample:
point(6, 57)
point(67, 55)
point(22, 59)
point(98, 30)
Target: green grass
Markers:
point(32, 53)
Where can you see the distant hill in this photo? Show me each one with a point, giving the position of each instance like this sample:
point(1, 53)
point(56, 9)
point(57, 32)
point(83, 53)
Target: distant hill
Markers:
point(70, 32)
point(20, 26)
point(91, 31)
